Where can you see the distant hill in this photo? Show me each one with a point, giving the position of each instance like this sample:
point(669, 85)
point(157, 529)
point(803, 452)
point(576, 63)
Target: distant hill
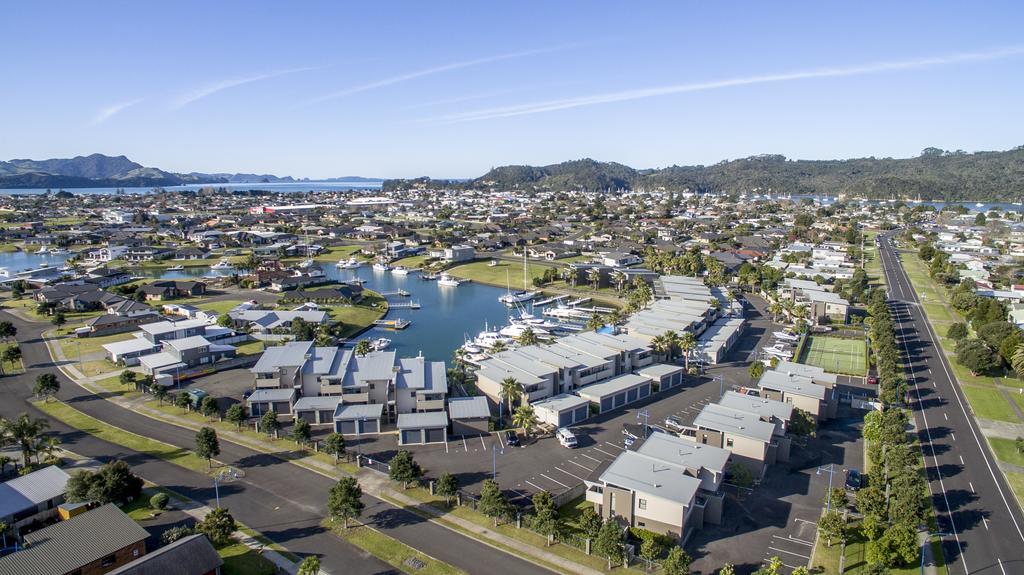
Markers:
point(101, 171)
point(934, 175)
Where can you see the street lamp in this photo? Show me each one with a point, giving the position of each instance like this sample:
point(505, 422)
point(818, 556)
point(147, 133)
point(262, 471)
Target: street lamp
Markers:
point(494, 460)
point(225, 475)
point(646, 416)
point(831, 470)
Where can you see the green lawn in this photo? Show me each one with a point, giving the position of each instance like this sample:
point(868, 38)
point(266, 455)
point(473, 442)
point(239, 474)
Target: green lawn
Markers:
point(1016, 481)
point(71, 345)
point(335, 253)
point(835, 355)
point(413, 261)
point(240, 559)
point(501, 275)
point(221, 307)
point(990, 404)
point(392, 551)
point(1006, 450)
point(827, 558)
point(250, 347)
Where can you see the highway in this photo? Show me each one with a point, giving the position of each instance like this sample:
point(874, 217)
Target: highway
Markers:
point(973, 503)
point(283, 501)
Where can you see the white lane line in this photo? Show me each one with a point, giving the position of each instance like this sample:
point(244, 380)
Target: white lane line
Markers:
point(519, 494)
point(615, 446)
point(535, 486)
point(579, 465)
point(791, 539)
point(569, 474)
point(953, 435)
point(962, 460)
point(464, 444)
point(554, 480)
point(591, 458)
point(482, 444)
point(972, 487)
point(500, 442)
point(790, 552)
point(1001, 565)
point(946, 416)
point(604, 452)
point(985, 521)
point(446, 447)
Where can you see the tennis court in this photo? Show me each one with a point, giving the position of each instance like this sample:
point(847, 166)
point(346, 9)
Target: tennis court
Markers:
point(836, 355)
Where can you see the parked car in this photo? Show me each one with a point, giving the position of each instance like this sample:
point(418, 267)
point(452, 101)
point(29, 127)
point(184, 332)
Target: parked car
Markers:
point(854, 479)
point(566, 437)
point(674, 423)
point(511, 439)
point(872, 380)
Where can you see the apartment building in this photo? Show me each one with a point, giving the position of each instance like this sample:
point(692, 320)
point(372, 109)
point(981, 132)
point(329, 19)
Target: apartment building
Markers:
point(744, 434)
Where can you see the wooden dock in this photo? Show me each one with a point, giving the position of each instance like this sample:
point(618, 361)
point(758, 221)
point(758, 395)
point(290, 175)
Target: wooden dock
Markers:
point(405, 305)
point(397, 323)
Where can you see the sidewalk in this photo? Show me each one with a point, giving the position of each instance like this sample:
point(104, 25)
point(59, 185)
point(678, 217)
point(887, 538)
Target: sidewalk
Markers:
point(372, 482)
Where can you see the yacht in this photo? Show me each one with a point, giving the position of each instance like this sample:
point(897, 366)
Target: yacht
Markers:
point(306, 263)
point(381, 267)
point(43, 250)
point(58, 251)
point(512, 298)
point(178, 268)
point(979, 205)
point(447, 280)
point(400, 271)
point(350, 263)
point(380, 344)
point(516, 330)
point(223, 264)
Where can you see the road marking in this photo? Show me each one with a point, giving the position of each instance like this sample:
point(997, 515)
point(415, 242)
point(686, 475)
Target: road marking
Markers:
point(569, 474)
point(616, 446)
point(500, 442)
point(962, 461)
point(591, 458)
point(791, 539)
point(579, 464)
point(482, 444)
point(535, 486)
point(1001, 565)
point(464, 444)
point(519, 494)
point(605, 452)
point(446, 447)
point(972, 487)
point(790, 552)
point(985, 521)
point(946, 416)
point(953, 435)
point(554, 480)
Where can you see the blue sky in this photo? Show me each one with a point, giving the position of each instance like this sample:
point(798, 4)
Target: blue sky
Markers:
point(450, 89)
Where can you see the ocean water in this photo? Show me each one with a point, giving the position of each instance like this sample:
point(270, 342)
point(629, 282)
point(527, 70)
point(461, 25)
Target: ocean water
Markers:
point(288, 187)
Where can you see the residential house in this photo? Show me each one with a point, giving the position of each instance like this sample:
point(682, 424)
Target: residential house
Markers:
point(32, 497)
point(191, 555)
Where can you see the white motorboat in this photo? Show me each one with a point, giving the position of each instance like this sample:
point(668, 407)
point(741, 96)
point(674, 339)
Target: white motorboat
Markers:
point(492, 263)
point(306, 263)
point(979, 205)
point(380, 344)
point(381, 267)
point(400, 271)
point(515, 297)
point(448, 281)
point(516, 330)
point(349, 264)
point(778, 351)
point(59, 252)
point(176, 269)
point(223, 264)
point(43, 250)
point(785, 335)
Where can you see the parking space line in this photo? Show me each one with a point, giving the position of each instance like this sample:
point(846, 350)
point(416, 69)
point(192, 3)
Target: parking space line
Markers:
point(500, 442)
point(446, 446)
point(535, 486)
point(579, 465)
point(790, 552)
point(464, 445)
point(519, 494)
point(482, 444)
point(791, 539)
point(616, 446)
point(591, 458)
point(605, 452)
point(569, 474)
point(553, 480)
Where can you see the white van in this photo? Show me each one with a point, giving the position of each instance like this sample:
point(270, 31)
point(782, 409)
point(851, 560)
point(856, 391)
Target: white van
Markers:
point(566, 437)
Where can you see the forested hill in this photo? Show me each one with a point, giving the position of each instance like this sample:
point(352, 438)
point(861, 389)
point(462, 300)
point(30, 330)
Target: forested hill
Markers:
point(934, 175)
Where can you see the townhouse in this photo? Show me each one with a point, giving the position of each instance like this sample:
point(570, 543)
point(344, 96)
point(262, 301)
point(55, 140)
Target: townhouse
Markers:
point(744, 434)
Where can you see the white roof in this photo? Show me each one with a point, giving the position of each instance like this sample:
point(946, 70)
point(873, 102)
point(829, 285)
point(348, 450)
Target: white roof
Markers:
point(612, 386)
point(129, 346)
point(32, 489)
point(644, 474)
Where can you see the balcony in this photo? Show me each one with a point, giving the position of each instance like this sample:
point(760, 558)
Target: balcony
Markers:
point(349, 397)
point(429, 405)
point(269, 383)
point(595, 494)
point(328, 389)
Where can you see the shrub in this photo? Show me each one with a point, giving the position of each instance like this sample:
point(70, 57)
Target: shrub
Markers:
point(159, 501)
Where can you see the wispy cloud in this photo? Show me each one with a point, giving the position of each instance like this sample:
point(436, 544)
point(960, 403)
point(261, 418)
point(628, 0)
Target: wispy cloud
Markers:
point(104, 114)
point(211, 89)
point(430, 72)
point(639, 94)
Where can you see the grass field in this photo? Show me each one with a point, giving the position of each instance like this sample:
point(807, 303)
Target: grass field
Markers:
point(501, 275)
point(989, 403)
point(836, 355)
point(392, 550)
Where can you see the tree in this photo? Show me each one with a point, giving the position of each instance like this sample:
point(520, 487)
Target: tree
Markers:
point(756, 370)
point(957, 331)
point(774, 567)
point(871, 501)
point(741, 475)
point(595, 322)
point(727, 569)
point(832, 526)
point(301, 432)
point(975, 356)
point(528, 337)
point(447, 486)
point(334, 444)
point(510, 391)
point(651, 546)
point(269, 423)
point(113, 482)
point(160, 393)
point(208, 406)
point(218, 525)
point(224, 320)
point(183, 401)
point(678, 562)
point(897, 545)
point(345, 500)
point(235, 414)
point(590, 522)
point(127, 378)
point(46, 386)
point(23, 432)
point(609, 542)
point(7, 330)
point(207, 445)
point(686, 344)
point(524, 417)
point(545, 520)
point(404, 468)
point(175, 533)
point(58, 319)
point(363, 347)
point(1018, 360)
point(309, 566)
point(159, 501)
point(12, 355)
point(492, 501)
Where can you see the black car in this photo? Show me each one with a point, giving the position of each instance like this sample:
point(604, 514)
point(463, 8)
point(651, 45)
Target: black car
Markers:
point(853, 480)
point(511, 439)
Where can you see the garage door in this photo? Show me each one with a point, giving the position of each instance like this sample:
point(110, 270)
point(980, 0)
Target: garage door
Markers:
point(645, 390)
point(677, 379)
point(565, 419)
point(345, 427)
point(326, 415)
point(582, 413)
point(606, 404)
point(410, 436)
point(309, 416)
point(631, 395)
point(436, 435)
point(620, 399)
point(369, 426)
point(282, 407)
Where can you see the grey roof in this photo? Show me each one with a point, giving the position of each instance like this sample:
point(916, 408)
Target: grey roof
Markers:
point(129, 346)
point(355, 411)
point(689, 454)
point(741, 423)
point(644, 474)
point(560, 403)
point(291, 354)
point(814, 372)
point(421, 375)
point(275, 394)
point(162, 327)
point(186, 343)
point(659, 370)
point(68, 545)
point(614, 385)
point(791, 383)
point(316, 402)
point(428, 419)
point(187, 556)
point(30, 490)
point(468, 407)
point(759, 405)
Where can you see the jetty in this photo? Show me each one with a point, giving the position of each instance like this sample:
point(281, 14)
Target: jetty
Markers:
point(397, 323)
point(405, 305)
point(398, 293)
point(551, 300)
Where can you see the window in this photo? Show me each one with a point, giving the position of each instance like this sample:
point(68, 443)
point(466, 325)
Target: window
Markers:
point(640, 524)
point(704, 438)
point(108, 560)
point(728, 442)
point(642, 504)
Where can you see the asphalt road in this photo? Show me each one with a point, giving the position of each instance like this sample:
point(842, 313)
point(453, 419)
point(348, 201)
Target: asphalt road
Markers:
point(281, 500)
point(973, 503)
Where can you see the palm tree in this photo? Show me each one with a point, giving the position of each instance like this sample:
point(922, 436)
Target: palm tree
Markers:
point(570, 276)
point(498, 347)
point(615, 317)
point(594, 277)
point(510, 391)
point(48, 446)
point(1018, 360)
point(661, 345)
point(619, 278)
point(528, 337)
point(4, 460)
point(524, 418)
point(363, 347)
point(23, 431)
point(775, 308)
point(686, 344)
point(595, 322)
point(460, 359)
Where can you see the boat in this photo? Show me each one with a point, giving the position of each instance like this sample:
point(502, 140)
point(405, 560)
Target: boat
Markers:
point(223, 264)
point(380, 344)
point(448, 281)
point(513, 298)
point(400, 271)
point(43, 250)
point(492, 263)
point(306, 263)
point(176, 268)
point(428, 277)
point(515, 330)
point(979, 205)
point(349, 264)
point(381, 267)
point(59, 251)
